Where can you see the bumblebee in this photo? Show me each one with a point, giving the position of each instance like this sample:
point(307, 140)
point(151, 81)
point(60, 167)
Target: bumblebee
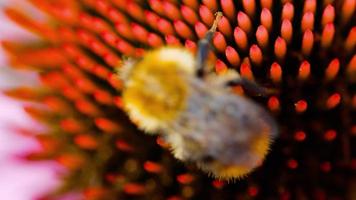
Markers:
point(170, 92)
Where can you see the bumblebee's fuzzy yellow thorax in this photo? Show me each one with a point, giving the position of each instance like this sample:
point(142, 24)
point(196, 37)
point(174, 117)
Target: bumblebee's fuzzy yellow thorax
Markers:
point(156, 87)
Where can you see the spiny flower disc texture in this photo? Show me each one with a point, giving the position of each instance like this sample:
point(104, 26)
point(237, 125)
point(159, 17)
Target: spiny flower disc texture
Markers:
point(304, 50)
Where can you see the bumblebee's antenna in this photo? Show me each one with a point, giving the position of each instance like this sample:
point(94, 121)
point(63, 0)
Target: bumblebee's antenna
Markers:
point(203, 45)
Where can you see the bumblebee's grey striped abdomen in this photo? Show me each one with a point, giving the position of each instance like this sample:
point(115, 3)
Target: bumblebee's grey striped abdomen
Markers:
point(220, 126)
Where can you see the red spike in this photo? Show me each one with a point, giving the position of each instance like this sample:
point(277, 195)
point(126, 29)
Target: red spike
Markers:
point(118, 102)
point(72, 125)
point(206, 15)
point(114, 81)
point(273, 104)
point(253, 191)
point(139, 32)
point(219, 42)
point(152, 19)
point(85, 85)
point(109, 37)
point(86, 141)
point(98, 25)
point(55, 80)
point(70, 161)
point(225, 27)
point(48, 143)
point(304, 70)
point(67, 34)
point(190, 45)
point(266, 4)
point(333, 101)
point(292, 164)
point(249, 7)
point(266, 19)
point(194, 4)
point(325, 167)
point(309, 6)
point(125, 48)
point(246, 72)
point(171, 40)
point(287, 30)
point(240, 38)
point(72, 93)
point(330, 135)
point(183, 30)
point(350, 42)
point(152, 167)
point(157, 6)
point(347, 10)
point(171, 11)
point(56, 104)
point(301, 106)
point(139, 52)
point(300, 136)
point(288, 11)
point(24, 93)
point(88, 108)
point(165, 27)
point(351, 69)
point(228, 8)
point(211, 4)
point(218, 184)
point(37, 113)
point(185, 178)
point(135, 11)
point(307, 42)
point(24, 21)
point(256, 54)
point(154, 40)
point(200, 29)
point(161, 142)
point(276, 72)
point(92, 193)
point(307, 21)
point(124, 146)
point(280, 48)
point(262, 36)
point(72, 71)
point(115, 16)
point(332, 69)
point(134, 189)
point(244, 22)
point(327, 35)
point(84, 62)
point(220, 67)
point(124, 30)
point(232, 56)
point(102, 71)
point(189, 15)
point(328, 15)
point(111, 59)
point(107, 125)
point(103, 97)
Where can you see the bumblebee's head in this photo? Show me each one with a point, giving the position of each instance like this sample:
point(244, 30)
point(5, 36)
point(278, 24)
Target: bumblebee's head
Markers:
point(155, 87)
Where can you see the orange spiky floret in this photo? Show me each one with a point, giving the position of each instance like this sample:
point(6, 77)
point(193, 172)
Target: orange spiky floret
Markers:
point(305, 50)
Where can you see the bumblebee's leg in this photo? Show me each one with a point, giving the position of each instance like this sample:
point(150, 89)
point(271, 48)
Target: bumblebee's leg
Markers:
point(251, 87)
point(204, 47)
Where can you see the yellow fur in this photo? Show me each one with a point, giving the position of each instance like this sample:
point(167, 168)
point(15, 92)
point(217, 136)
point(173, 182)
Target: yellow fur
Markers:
point(156, 89)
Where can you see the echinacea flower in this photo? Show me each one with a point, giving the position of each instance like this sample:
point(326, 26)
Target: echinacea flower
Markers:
point(304, 50)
